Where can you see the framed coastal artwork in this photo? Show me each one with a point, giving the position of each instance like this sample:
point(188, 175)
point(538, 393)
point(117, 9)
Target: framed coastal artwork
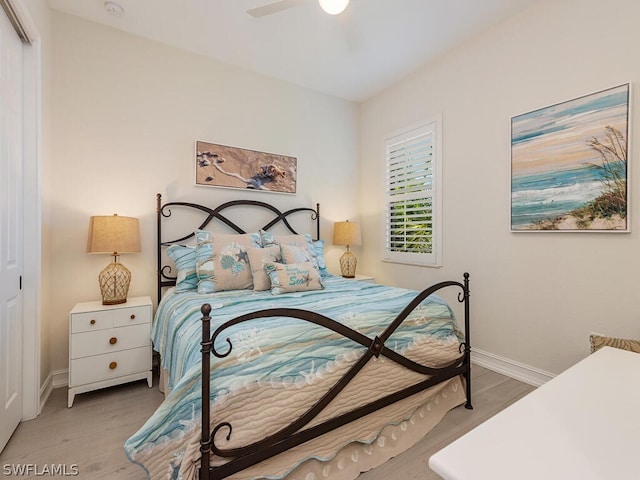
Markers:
point(569, 165)
point(233, 167)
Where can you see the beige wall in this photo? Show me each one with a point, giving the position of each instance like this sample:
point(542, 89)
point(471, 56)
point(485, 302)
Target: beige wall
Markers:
point(535, 297)
point(127, 112)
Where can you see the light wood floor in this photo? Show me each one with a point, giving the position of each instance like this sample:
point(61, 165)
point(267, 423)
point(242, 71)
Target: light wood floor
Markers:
point(91, 434)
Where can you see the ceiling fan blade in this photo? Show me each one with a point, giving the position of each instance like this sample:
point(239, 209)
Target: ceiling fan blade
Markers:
point(274, 7)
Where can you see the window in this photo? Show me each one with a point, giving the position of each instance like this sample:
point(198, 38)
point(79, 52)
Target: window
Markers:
point(413, 210)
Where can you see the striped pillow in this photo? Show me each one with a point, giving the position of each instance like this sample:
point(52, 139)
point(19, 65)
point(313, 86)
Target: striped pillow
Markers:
point(318, 246)
point(184, 258)
point(599, 341)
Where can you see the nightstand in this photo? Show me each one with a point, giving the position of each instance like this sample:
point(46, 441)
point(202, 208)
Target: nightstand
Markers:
point(109, 345)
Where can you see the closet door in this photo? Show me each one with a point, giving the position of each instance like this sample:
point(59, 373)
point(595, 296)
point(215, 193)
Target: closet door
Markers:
point(11, 228)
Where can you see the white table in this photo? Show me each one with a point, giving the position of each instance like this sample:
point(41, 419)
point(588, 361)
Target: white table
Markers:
point(582, 425)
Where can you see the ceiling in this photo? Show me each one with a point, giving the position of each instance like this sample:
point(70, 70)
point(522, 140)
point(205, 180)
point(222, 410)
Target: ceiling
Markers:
point(354, 55)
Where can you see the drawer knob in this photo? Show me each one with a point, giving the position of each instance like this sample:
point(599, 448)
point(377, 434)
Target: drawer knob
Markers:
point(113, 365)
point(133, 317)
point(113, 340)
point(92, 322)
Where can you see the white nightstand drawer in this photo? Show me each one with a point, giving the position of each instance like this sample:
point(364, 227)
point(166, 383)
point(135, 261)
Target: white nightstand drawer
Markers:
point(102, 341)
point(90, 321)
point(109, 365)
point(123, 317)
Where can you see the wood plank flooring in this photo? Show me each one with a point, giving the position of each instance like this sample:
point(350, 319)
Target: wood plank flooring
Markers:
point(91, 434)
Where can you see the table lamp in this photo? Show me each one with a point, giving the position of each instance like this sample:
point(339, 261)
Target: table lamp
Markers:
point(347, 233)
point(114, 235)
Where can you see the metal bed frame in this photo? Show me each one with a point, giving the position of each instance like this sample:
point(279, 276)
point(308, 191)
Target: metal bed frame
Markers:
point(296, 433)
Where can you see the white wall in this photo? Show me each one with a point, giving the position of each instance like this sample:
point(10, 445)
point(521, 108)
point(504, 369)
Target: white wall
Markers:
point(127, 112)
point(40, 14)
point(535, 296)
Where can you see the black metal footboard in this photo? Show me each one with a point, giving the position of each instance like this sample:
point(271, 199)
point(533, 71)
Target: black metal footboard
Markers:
point(295, 433)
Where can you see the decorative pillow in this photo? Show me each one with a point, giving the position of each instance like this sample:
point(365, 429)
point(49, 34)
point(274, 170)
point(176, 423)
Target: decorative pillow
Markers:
point(301, 241)
point(258, 257)
point(204, 262)
point(599, 341)
point(184, 258)
point(269, 238)
point(318, 246)
point(295, 277)
point(291, 254)
point(222, 261)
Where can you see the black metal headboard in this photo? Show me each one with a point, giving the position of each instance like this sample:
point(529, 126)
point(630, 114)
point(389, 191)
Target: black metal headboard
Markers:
point(163, 271)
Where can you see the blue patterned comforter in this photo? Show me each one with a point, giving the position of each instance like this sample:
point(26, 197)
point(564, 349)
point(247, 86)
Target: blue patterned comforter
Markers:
point(273, 350)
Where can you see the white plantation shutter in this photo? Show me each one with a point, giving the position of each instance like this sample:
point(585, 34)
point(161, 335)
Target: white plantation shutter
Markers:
point(412, 224)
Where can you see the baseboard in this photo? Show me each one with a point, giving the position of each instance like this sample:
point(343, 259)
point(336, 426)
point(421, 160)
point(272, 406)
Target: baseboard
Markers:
point(56, 379)
point(510, 368)
point(45, 391)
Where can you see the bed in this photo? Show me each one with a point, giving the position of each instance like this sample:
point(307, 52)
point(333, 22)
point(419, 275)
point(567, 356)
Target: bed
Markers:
point(313, 376)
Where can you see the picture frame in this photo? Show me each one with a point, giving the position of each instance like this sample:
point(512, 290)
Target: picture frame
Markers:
point(569, 165)
point(233, 167)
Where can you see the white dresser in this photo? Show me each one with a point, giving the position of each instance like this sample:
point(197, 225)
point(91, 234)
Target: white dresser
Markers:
point(109, 345)
point(582, 425)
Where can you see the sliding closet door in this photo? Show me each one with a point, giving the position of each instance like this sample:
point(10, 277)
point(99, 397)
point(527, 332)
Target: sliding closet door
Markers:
point(11, 228)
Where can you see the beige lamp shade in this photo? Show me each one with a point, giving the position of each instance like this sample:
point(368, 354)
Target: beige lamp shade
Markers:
point(114, 235)
point(347, 233)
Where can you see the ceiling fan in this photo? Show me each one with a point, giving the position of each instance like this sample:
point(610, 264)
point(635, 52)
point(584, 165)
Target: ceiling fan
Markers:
point(332, 7)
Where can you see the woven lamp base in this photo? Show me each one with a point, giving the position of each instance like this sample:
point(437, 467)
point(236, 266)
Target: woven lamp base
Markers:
point(348, 264)
point(114, 283)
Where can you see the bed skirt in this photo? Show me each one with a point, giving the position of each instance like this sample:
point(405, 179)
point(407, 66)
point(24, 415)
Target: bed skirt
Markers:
point(385, 434)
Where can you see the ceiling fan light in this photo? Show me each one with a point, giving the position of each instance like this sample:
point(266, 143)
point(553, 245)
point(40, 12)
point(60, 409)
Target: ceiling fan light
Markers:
point(333, 7)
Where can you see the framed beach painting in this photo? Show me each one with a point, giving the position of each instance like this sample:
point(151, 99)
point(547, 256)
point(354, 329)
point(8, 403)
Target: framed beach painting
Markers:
point(569, 165)
point(233, 167)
